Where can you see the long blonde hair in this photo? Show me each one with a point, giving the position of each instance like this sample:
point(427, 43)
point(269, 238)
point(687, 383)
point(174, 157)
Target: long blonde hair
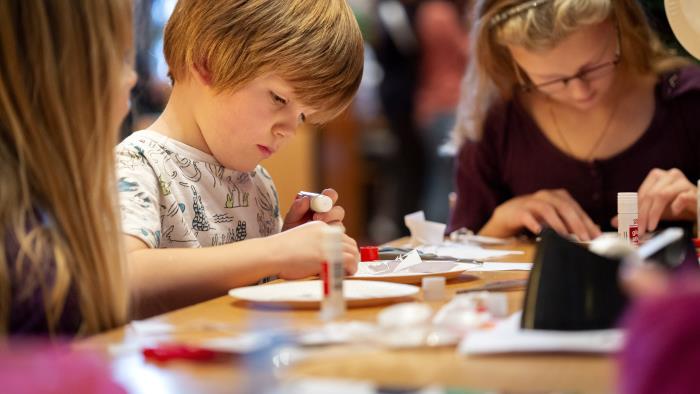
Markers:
point(491, 75)
point(316, 46)
point(60, 68)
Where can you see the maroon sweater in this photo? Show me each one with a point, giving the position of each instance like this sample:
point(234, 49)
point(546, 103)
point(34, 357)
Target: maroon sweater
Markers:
point(515, 158)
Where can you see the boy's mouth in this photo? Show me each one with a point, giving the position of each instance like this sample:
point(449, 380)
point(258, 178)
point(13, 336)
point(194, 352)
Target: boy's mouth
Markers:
point(266, 151)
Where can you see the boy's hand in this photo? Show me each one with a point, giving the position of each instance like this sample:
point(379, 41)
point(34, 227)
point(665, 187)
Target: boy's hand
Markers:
point(302, 253)
point(300, 212)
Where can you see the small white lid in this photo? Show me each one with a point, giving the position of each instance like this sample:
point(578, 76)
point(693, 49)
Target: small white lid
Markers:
point(321, 203)
point(626, 203)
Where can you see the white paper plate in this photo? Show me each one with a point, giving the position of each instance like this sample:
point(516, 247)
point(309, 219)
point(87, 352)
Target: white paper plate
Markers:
point(447, 269)
point(684, 17)
point(307, 294)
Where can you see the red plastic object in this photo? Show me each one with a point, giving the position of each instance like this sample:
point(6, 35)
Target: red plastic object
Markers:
point(178, 352)
point(369, 253)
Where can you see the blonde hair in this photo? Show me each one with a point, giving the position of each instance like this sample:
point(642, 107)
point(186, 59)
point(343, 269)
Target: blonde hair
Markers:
point(60, 67)
point(315, 45)
point(491, 74)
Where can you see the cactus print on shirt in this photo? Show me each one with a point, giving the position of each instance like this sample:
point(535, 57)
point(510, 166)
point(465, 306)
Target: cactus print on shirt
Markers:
point(173, 195)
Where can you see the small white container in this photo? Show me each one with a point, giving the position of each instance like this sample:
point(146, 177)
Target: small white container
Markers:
point(628, 217)
point(433, 288)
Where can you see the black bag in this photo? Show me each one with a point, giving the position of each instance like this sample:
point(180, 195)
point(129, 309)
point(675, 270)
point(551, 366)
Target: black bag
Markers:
point(571, 288)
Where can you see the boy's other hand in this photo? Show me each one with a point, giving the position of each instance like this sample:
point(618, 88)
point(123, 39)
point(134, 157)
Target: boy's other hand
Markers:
point(300, 212)
point(302, 253)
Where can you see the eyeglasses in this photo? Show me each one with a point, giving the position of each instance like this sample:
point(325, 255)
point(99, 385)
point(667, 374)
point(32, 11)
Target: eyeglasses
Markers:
point(586, 75)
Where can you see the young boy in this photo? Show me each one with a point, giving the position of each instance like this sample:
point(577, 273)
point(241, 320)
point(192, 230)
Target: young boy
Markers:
point(199, 212)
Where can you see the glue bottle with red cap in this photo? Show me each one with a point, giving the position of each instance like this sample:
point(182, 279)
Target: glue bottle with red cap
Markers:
point(332, 273)
point(627, 217)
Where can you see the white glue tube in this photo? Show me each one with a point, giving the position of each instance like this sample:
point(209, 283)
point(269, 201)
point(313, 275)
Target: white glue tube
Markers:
point(319, 202)
point(332, 273)
point(627, 217)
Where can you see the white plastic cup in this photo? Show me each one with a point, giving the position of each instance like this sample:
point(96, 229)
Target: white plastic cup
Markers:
point(433, 288)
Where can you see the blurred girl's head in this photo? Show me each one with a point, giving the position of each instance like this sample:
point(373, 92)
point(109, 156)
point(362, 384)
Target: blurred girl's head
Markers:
point(65, 73)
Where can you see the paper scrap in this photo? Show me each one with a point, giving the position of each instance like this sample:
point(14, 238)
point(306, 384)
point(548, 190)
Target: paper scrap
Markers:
point(409, 260)
point(390, 267)
point(489, 266)
point(508, 337)
point(466, 251)
point(424, 232)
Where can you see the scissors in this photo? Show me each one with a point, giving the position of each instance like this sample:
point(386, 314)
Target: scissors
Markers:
point(390, 253)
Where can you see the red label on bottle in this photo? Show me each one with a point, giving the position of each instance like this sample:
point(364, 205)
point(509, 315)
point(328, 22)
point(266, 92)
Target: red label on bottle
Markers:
point(325, 278)
point(634, 234)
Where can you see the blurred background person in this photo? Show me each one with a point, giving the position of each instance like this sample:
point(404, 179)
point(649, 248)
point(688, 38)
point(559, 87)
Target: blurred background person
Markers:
point(442, 37)
point(397, 52)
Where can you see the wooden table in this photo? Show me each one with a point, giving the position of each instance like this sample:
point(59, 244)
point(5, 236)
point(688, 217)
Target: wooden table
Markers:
point(402, 368)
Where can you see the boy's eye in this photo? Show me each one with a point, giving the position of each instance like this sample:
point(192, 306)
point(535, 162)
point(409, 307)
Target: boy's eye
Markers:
point(278, 99)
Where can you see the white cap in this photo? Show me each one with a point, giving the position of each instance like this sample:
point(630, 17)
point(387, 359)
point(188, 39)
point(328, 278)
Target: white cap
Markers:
point(321, 203)
point(626, 203)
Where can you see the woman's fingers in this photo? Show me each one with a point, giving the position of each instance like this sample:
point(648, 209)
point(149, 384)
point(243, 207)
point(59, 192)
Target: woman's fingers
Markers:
point(561, 212)
point(576, 218)
point(658, 194)
point(548, 214)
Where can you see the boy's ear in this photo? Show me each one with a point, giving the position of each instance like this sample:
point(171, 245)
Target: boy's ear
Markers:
point(202, 73)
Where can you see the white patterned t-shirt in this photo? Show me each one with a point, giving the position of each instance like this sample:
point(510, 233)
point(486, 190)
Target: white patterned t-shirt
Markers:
point(175, 196)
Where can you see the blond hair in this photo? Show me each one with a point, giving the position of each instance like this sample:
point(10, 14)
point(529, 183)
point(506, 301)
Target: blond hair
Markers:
point(60, 67)
point(315, 45)
point(541, 25)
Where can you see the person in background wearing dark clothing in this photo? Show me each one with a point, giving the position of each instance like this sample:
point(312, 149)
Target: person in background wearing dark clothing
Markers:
point(397, 51)
point(442, 35)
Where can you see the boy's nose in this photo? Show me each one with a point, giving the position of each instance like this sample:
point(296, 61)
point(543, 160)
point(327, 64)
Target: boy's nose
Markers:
point(284, 130)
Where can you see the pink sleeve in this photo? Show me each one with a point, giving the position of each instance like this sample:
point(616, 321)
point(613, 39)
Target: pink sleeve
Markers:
point(58, 367)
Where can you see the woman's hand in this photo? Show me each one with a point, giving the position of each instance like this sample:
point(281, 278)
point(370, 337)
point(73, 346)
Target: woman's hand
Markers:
point(665, 195)
point(300, 212)
point(553, 208)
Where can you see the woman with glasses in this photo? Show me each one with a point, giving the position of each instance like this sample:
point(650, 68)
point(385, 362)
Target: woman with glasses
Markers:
point(564, 104)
